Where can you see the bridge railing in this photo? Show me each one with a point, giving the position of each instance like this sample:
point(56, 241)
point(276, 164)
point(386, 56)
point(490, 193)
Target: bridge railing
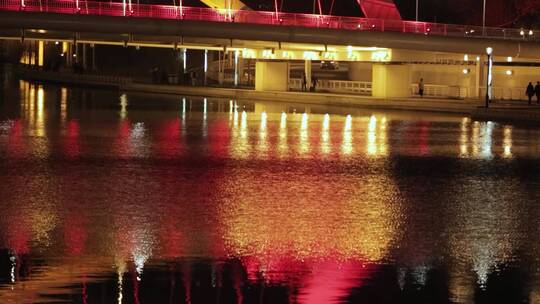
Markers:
point(262, 17)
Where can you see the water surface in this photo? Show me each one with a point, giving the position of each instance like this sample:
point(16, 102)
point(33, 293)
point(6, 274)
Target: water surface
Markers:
point(114, 198)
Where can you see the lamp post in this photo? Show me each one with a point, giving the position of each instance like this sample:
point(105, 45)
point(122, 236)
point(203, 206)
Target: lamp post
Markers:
point(417, 10)
point(489, 77)
point(484, 19)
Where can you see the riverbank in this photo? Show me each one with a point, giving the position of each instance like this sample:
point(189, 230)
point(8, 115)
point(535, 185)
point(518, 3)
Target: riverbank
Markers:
point(498, 111)
point(347, 100)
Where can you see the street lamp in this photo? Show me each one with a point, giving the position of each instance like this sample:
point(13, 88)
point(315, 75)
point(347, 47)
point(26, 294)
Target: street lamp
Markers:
point(489, 77)
point(484, 19)
point(417, 10)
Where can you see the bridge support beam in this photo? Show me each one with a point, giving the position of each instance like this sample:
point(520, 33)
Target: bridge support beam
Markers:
point(391, 80)
point(272, 76)
point(308, 72)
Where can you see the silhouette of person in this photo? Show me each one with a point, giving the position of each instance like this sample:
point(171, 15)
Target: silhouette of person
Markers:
point(530, 92)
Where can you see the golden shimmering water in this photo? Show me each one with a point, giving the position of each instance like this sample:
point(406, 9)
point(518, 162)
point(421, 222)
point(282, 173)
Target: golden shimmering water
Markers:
point(114, 198)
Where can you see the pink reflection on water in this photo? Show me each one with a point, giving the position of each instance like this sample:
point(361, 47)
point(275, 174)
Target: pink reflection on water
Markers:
point(168, 139)
point(72, 146)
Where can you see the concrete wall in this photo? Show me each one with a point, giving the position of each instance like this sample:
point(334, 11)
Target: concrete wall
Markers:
point(441, 74)
point(272, 76)
point(391, 80)
point(360, 71)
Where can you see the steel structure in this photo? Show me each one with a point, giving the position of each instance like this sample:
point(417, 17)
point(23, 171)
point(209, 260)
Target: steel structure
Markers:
point(380, 9)
point(125, 9)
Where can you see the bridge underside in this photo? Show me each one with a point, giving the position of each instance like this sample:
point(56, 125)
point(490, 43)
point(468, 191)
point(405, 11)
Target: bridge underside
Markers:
point(168, 32)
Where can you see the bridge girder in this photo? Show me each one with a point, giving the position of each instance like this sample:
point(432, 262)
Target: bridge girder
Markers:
point(378, 9)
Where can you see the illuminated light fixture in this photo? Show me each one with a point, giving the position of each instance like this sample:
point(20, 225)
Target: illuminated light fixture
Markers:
point(509, 72)
point(236, 59)
point(74, 55)
point(509, 59)
point(477, 58)
point(268, 54)
point(380, 56)
point(472, 31)
point(466, 71)
point(466, 57)
point(310, 55)
point(531, 32)
point(489, 50)
point(359, 26)
point(522, 33)
point(205, 61)
point(56, 43)
point(349, 48)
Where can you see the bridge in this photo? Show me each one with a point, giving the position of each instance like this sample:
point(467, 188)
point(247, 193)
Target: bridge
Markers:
point(389, 50)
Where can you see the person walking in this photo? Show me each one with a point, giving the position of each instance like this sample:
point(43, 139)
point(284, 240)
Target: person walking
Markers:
point(537, 91)
point(314, 82)
point(421, 88)
point(530, 92)
point(304, 82)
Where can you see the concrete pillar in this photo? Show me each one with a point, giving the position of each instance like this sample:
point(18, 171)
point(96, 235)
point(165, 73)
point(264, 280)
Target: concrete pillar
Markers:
point(84, 59)
point(272, 76)
point(307, 70)
point(360, 71)
point(94, 65)
point(478, 78)
point(40, 53)
point(391, 80)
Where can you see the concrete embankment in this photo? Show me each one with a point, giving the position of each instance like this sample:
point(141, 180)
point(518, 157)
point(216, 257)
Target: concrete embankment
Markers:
point(528, 114)
point(348, 100)
point(71, 78)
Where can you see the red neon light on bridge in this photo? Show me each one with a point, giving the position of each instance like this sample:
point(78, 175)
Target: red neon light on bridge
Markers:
point(393, 23)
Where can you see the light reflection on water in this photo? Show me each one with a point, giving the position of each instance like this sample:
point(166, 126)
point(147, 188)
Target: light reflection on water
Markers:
point(238, 201)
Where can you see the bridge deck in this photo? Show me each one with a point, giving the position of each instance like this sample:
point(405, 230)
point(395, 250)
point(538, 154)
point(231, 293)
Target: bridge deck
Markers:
point(129, 10)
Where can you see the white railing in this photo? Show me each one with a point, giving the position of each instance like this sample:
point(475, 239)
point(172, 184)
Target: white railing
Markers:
point(434, 90)
point(335, 86)
point(503, 93)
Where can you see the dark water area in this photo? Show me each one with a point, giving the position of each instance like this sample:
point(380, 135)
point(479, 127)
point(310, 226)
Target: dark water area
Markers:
point(114, 198)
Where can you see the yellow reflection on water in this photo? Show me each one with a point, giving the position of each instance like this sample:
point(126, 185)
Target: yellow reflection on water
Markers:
point(63, 104)
point(377, 137)
point(325, 135)
point(507, 142)
point(123, 106)
point(282, 144)
point(310, 222)
point(464, 138)
point(347, 143)
point(482, 139)
point(303, 146)
point(240, 147)
point(40, 114)
point(263, 142)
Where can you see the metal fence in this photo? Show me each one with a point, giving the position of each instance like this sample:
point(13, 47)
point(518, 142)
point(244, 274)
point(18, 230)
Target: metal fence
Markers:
point(263, 17)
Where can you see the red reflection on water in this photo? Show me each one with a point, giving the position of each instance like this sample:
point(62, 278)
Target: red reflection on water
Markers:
point(318, 281)
point(71, 144)
point(423, 138)
point(16, 144)
point(169, 138)
point(220, 138)
point(121, 142)
point(75, 234)
point(331, 281)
